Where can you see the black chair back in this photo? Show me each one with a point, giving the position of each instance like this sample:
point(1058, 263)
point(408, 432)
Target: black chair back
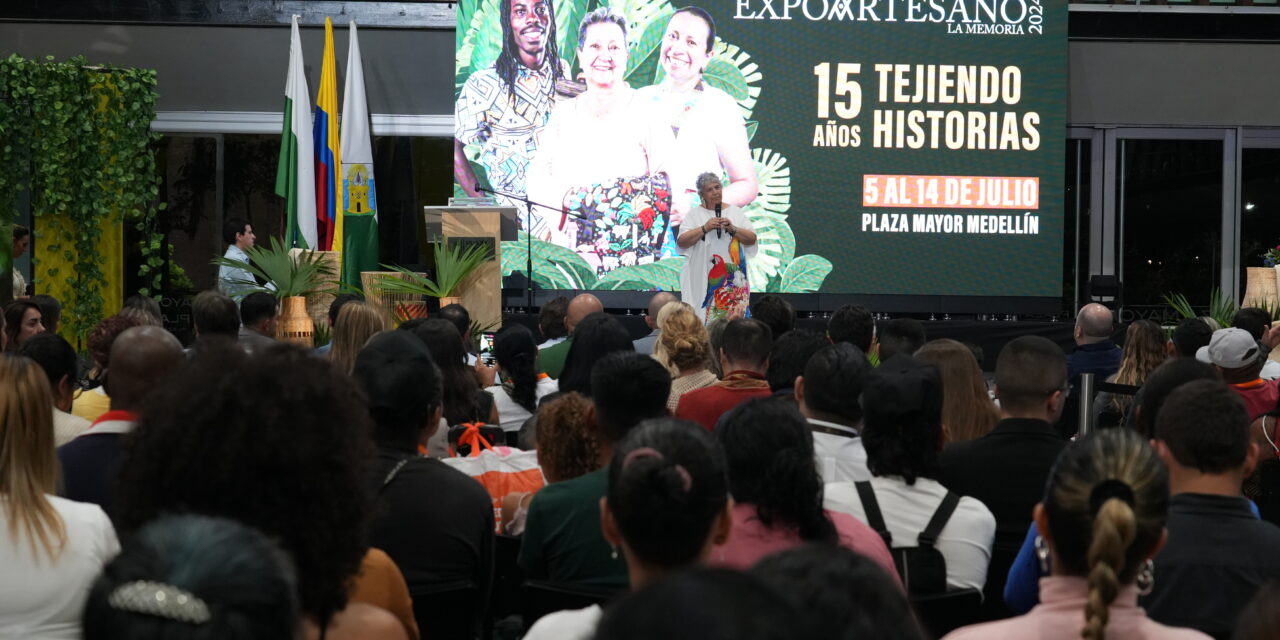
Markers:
point(507, 575)
point(942, 613)
point(455, 614)
point(539, 597)
point(1269, 490)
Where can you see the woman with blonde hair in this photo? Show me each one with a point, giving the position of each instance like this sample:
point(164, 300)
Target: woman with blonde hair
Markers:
point(967, 410)
point(684, 346)
point(357, 322)
point(1100, 524)
point(51, 548)
point(1144, 350)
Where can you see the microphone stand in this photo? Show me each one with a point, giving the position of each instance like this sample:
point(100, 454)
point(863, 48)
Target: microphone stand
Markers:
point(528, 233)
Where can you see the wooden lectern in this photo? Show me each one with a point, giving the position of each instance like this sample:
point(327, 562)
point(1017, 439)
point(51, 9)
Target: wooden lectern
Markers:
point(482, 292)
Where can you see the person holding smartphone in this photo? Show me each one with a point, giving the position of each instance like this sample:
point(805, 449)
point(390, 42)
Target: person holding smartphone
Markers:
point(517, 392)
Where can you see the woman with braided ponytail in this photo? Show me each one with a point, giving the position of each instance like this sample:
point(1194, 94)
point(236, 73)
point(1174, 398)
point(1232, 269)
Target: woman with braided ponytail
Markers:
point(517, 396)
point(1100, 523)
point(777, 489)
point(667, 505)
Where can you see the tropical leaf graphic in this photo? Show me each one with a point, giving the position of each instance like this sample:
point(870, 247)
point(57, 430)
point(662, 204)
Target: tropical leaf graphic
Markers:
point(730, 55)
point(480, 43)
point(569, 14)
point(805, 274)
point(767, 213)
point(554, 267)
point(642, 12)
point(663, 274)
point(644, 58)
point(752, 125)
point(774, 177)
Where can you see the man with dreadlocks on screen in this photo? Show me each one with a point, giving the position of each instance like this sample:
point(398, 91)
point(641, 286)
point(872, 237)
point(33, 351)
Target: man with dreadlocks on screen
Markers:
point(506, 106)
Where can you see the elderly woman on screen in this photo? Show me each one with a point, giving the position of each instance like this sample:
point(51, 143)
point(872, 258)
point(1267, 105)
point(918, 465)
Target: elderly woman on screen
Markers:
point(600, 160)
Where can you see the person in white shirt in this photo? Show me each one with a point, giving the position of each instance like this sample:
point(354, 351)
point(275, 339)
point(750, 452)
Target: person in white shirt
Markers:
point(902, 433)
point(828, 397)
point(667, 506)
point(521, 387)
point(58, 359)
point(51, 549)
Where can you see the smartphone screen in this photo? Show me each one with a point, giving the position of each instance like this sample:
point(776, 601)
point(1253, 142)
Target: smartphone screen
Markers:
point(486, 347)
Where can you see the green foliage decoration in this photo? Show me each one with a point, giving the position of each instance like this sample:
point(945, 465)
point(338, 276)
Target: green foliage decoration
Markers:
point(79, 139)
point(288, 275)
point(454, 263)
point(1221, 308)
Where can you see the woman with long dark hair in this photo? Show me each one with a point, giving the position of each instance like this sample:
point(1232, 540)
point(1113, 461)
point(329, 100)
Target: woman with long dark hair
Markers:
point(777, 489)
point(516, 398)
point(598, 335)
point(464, 400)
point(666, 506)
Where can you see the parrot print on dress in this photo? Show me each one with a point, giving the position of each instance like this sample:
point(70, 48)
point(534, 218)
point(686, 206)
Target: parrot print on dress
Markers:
point(726, 283)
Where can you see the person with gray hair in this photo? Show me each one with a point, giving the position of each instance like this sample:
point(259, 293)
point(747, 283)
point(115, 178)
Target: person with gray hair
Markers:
point(718, 240)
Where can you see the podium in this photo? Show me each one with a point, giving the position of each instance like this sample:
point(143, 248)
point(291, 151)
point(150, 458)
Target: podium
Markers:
point(488, 225)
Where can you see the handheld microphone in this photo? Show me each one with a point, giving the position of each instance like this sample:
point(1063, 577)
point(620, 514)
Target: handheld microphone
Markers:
point(719, 232)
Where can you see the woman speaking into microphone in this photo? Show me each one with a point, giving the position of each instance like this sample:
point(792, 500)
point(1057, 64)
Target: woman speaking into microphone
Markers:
point(718, 240)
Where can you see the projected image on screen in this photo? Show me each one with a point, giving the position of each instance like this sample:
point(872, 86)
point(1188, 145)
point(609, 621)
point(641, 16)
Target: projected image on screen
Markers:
point(911, 149)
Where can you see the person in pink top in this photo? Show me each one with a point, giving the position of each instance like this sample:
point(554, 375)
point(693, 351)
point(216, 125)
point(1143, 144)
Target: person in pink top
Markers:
point(777, 489)
point(1101, 522)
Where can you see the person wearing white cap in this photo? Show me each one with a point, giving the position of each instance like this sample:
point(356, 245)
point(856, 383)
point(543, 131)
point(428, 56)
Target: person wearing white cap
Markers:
point(1239, 361)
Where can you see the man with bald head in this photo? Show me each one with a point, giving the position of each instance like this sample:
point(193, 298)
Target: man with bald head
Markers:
point(656, 303)
point(141, 357)
point(551, 359)
point(1095, 352)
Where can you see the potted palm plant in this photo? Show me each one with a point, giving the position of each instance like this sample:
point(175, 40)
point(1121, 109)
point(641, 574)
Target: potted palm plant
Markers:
point(289, 278)
point(454, 264)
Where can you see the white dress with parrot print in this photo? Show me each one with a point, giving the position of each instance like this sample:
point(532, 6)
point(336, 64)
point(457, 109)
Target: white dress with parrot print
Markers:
point(714, 278)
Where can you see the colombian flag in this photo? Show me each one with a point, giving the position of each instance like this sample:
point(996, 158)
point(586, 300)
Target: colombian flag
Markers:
point(328, 155)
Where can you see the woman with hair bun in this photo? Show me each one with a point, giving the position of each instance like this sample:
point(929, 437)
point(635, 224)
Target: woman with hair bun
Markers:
point(1100, 524)
point(517, 396)
point(685, 348)
point(666, 507)
point(777, 489)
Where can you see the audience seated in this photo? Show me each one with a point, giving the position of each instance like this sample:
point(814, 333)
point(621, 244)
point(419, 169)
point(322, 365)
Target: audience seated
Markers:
point(1218, 553)
point(145, 304)
point(51, 548)
point(967, 410)
point(900, 335)
point(280, 443)
point(141, 358)
point(1258, 323)
point(196, 578)
point(551, 359)
point(1021, 592)
point(1101, 522)
point(259, 313)
point(715, 336)
point(562, 539)
point(551, 323)
point(567, 448)
point(356, 323)
point(744, 358)
point(93, 401)
point(1188, 337)
point(666, 505)
point(461, 320)
point(827, 394)
point(777, 491)
point(1239, 359)
point(215, 317)
point(853, 324)
point(775, 312)
point(685, 348)
point(339, 301)
point(595, 337)
point(51, 311)
point(902, 432)
point(787, 359)
point(521, 386)
point(441, 543)
point(1007, 468)
point(58, 359)
point(703, 604)
point(1144, 350)
point(23, 320)
point(659, 300)
point(845, 594)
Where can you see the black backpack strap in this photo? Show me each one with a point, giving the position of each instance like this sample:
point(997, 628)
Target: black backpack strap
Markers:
point(929, 537)
point(871, 508)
